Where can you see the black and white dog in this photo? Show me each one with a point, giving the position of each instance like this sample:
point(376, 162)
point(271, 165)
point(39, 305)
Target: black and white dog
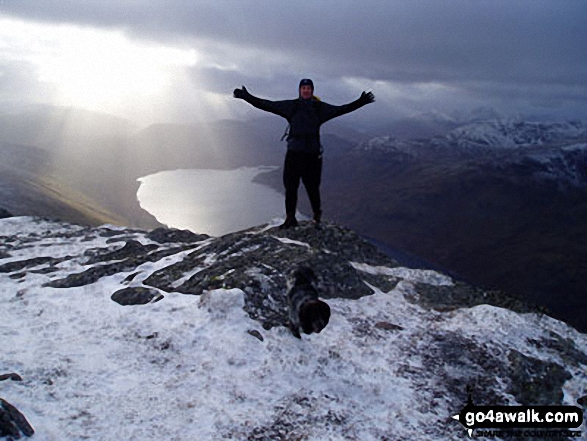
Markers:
point(306, 311)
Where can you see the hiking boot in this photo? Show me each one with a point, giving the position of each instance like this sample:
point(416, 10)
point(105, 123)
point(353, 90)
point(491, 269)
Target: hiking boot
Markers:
point(290, 222)
point(317, 217)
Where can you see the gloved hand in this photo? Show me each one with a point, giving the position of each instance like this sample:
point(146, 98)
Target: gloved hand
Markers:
point(367, 97)
point(241, 93)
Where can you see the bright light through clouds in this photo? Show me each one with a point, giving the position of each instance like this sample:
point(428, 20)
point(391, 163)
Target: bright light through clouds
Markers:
point(99, 69)
point(178, 61)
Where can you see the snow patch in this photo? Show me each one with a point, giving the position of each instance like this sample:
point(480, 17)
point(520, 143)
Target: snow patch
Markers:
point(428, 277)
point(291, 241)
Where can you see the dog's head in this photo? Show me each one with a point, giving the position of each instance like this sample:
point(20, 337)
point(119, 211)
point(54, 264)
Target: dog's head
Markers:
point(303, 274)
point(314, 316)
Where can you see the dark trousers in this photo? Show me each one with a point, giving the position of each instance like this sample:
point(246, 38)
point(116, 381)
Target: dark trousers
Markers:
point(308, 168)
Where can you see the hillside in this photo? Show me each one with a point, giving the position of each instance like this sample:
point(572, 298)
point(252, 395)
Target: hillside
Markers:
point(200, 350)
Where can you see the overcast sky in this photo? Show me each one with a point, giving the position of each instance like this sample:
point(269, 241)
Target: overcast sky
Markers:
point(153, 61)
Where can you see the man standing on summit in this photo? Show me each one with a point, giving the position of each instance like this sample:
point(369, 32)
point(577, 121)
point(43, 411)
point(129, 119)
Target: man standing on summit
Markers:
point(304, 152)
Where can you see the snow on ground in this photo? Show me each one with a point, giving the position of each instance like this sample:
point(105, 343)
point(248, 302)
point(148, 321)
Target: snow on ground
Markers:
point(292, 242)
point(187, 367)
point(413, 275)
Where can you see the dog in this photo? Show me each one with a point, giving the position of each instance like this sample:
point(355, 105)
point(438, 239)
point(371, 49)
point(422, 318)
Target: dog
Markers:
point(306, 311)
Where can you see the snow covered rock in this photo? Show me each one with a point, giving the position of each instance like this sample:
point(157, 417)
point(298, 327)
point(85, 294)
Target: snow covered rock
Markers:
point(213, 359)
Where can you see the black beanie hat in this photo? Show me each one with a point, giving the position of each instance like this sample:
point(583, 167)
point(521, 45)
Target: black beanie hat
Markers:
point(306, 82)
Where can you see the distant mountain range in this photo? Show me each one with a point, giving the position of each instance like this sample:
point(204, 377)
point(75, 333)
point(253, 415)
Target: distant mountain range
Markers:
point(499, 201)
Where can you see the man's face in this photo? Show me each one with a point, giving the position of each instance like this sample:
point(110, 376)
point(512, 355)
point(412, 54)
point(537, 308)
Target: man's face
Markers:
point(306, 92)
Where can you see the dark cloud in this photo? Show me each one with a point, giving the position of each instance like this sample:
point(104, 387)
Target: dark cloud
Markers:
point(533, 44)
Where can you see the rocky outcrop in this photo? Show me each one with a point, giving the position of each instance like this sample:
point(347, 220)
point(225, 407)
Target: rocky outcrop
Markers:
point(259, 262)
point(403, 341)
point(13, 424)
point(172, 235)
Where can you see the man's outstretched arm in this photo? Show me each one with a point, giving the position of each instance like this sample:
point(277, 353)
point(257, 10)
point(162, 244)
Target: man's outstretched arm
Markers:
point(281, 108)
point(329, 111)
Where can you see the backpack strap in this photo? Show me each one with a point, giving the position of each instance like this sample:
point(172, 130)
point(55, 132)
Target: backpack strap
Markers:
point(286, 133)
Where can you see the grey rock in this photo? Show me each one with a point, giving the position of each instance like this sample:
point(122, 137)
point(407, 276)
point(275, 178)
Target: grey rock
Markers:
point(256, 334)
point(45, 270)
point(346, 243)
point(130, 249)
point(98, 271)
point(136, 296)
point(131, 277)
point(121, 238)
point(89, 276)
point(12, 376)
point(13, 424)
point(108, 232)
point(536, 382)
point(23, 264)
point(4, 213)
point(172, 235)
point(462, 295)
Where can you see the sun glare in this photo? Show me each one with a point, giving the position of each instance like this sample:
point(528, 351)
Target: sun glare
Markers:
point(97, 69)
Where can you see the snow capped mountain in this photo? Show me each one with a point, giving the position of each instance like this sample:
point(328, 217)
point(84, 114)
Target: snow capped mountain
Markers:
point(490, 133)
point(200, 350)
point(434, 123)
point(546, 150)
point(513, 133)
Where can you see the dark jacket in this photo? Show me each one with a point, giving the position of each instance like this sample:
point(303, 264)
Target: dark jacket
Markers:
point(305, 118)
